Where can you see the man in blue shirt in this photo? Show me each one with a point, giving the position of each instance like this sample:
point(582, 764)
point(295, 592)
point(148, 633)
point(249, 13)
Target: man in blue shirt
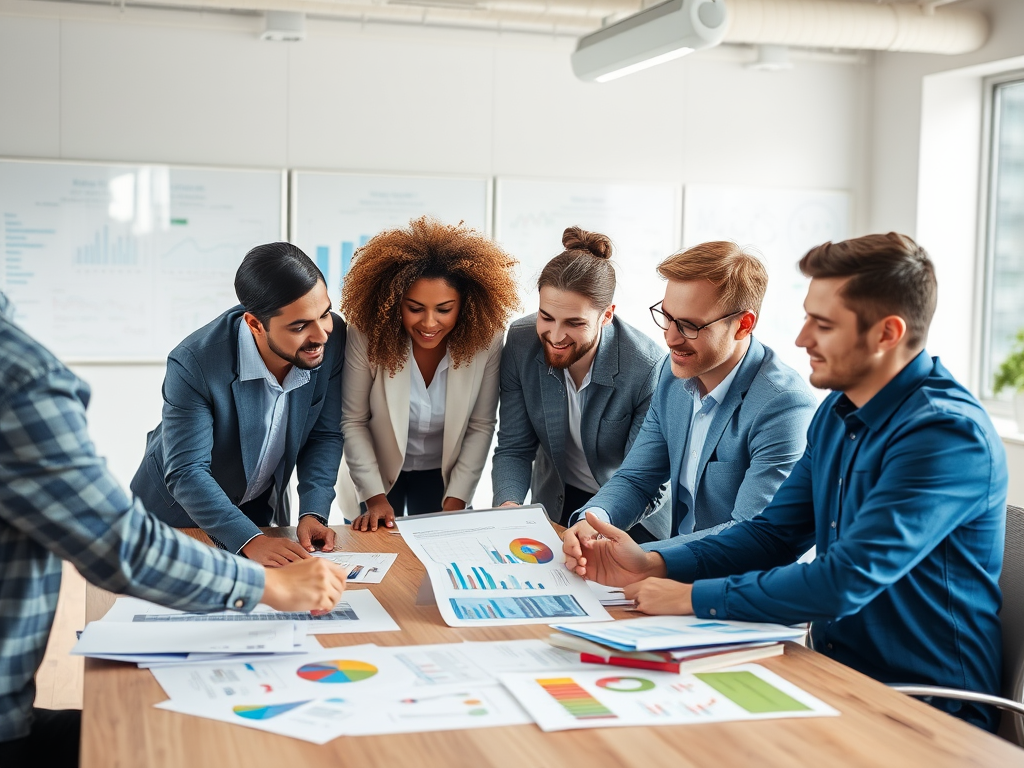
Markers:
point(902, 489)
point(59, 501)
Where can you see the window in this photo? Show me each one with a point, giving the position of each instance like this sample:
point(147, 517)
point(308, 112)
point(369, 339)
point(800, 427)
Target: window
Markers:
point(1004, 230)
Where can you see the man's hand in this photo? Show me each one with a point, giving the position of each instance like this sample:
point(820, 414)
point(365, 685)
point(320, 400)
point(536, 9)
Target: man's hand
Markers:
point(451, 504)
point(311, 532)
point(377, 510)
point(271, 552)
point(313, 585)
point(609, 556)
point(662, 597)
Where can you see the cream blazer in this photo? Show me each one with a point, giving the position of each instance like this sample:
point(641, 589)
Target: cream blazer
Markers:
point(375, 422)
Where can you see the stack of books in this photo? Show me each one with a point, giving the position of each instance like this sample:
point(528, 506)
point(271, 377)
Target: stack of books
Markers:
point(680, 644)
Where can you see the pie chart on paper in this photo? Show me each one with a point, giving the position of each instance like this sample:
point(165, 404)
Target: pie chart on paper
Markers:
point(265, 711)
point(531, 551)
point(342, 671)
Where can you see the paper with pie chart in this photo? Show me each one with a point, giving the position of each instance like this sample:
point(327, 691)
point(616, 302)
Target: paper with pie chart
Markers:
point(606, 698)
point(499, 567)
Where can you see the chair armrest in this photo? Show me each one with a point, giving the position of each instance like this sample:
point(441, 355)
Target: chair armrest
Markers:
point(955, 693)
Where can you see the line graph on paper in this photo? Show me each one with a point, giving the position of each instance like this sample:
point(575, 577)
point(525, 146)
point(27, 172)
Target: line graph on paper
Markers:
point(474, 550)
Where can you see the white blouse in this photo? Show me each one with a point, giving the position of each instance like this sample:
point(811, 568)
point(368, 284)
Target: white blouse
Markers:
point(426, 417)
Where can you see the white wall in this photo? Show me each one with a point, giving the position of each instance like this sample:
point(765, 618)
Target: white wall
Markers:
point(926, 174)
point(93, 83)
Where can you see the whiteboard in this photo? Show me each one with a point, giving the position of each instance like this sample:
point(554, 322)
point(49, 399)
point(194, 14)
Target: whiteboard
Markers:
point(781, 225)
point(333, 214)
point(121, 262)
point(642, 220)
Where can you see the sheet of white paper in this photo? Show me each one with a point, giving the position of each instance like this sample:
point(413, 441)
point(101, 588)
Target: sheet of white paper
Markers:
point(144, 638)
point(651, 633)
point(609, 595)
point(507, 656)
point(321, 720)
point(308, 644)
point(363, 567)
point(358, 611)
point(609, 698)
point(499, 567)
point(315, 720)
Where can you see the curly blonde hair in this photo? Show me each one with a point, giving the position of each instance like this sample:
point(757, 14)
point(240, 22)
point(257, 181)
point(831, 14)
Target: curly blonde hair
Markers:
point(385, 268)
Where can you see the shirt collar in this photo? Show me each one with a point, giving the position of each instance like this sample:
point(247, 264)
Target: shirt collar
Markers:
point(251, 365)
point(444, 365)
point(876, 411)
point(719, 393)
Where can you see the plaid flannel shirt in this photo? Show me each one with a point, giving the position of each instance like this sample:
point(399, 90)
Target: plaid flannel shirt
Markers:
point(58, 500)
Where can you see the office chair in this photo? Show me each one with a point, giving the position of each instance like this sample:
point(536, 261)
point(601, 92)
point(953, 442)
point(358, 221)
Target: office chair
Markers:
point(1011, 582)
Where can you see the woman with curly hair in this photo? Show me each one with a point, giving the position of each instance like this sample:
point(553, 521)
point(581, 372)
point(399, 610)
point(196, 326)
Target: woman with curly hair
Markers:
point(426, 308)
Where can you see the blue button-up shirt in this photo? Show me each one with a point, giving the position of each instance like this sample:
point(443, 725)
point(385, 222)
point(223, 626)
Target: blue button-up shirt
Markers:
point(58, 500)
point(905, 499)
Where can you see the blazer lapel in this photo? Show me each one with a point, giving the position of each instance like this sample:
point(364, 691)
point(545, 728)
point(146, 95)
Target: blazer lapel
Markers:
point(397, 389)
point(458, 402)
point(724, 411)
point(556, 411)
point(248, 396)
point(599, 392)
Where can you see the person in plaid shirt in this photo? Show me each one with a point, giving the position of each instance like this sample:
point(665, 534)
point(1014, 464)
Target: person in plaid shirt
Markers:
point(59, 501)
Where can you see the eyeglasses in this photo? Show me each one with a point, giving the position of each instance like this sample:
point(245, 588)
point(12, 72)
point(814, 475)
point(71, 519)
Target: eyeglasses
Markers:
point(685, 327)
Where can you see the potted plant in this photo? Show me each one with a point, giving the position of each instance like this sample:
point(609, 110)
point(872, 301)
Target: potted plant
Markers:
point(1010, 375)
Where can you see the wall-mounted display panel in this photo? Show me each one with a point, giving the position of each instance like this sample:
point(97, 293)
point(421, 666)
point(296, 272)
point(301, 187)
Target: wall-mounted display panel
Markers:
point(106, 262)
point(334, 214)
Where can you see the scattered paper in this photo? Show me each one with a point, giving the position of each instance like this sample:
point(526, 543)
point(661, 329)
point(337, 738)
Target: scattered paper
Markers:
point(653, 633)
point(362, 567)
point(499, 567)
point(609, 596)
point(101, 638)
point(358, 611)
point(607, 698)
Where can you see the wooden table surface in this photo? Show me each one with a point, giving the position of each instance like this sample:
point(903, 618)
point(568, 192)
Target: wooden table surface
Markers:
point(877, 727)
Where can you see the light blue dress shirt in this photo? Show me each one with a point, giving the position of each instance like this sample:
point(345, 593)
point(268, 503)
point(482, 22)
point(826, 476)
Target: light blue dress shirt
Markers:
point(275, 410)
point(703, 413)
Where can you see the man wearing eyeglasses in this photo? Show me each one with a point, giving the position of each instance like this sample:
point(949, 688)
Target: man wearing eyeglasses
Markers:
point(725, 428)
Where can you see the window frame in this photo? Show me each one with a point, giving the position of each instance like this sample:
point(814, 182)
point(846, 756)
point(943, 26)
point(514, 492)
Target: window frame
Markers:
point(982, 363)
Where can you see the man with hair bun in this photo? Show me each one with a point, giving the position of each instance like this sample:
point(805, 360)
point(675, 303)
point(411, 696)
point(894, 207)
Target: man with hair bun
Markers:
point(576, 382)
point(249, 397)
point(727, 421)
point(902, 489)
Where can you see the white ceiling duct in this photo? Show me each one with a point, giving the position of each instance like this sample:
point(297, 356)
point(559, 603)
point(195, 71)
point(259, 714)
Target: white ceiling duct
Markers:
point(906, 27)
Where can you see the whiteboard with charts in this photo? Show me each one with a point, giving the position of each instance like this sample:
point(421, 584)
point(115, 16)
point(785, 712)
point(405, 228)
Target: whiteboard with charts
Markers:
point(781, 225)
point(112, 262)
point(642, 221)
point(333, 214)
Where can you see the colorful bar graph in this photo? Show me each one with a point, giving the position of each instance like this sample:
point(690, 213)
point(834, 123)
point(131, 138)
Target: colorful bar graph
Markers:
point(347, 249)
point(481, 578)
point(575, 699)
point(323, 260)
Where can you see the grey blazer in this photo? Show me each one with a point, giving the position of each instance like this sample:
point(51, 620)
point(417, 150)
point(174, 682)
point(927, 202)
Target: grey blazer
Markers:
point(756, 436)
point(199, 458)
point(533, 415)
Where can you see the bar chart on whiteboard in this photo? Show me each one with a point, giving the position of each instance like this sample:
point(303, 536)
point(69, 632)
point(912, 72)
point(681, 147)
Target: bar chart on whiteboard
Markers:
point(121, 262)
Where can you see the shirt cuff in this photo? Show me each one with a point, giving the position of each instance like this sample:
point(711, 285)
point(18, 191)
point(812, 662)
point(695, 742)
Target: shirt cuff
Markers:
point(248, 589)
point(708, 599)
point(580, 514)
point(680, 563)
point(320, 518)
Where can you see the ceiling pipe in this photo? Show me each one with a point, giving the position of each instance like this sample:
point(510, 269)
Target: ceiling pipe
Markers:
point(909, 28)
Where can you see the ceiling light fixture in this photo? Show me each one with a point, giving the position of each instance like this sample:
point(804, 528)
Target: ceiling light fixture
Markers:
point(655, 35)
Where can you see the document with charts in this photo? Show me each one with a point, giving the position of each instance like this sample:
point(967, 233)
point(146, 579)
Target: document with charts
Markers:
point(607, 698)
point(498, 567)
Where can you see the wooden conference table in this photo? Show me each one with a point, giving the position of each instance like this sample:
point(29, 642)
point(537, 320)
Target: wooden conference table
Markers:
point(878, 727)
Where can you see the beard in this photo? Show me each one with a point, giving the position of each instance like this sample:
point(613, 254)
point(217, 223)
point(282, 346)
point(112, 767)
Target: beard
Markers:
point(575, 353)
point(295, 359)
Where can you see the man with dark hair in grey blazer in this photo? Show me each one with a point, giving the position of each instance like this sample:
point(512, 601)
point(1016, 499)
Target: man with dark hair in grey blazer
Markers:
point(576, 382)
point(249, 397)
point(728, 420)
